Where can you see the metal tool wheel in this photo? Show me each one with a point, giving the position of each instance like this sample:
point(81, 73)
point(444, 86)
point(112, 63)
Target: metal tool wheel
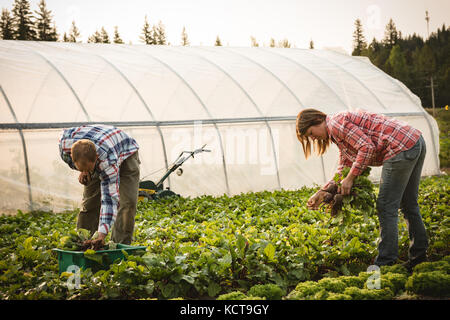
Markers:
point(145, 195)
point(166, 194)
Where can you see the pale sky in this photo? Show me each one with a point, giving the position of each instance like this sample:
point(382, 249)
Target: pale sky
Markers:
point(329, 23)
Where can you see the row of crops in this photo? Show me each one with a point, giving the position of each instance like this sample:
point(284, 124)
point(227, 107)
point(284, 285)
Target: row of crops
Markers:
point(254, 245)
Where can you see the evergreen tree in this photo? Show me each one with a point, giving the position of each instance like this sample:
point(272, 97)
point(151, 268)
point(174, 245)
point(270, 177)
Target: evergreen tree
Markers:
point(6, 25)
point(426, 63)
point(378, 54)
point(391, 35)
point(104, 37)
point(439, 44)
point(45, 31)
point(54, 32)
point(422, 61)
point(160, 37)
point(397, 64)
point(74, 33)
point(284, 43)
point(184, 38)
point(117, 38)
point(22, 17)
point(65, 38)
point(272, 43)
point(96, 37)
point(374, 45)
point(147, 33)
point(359, 41)
point(411, 43)
point(218, 43)
point(254, 43)
point(414, 61)
point(154, 34)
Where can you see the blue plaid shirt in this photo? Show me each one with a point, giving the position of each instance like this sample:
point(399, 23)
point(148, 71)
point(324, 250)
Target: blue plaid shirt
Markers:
point(113, 147)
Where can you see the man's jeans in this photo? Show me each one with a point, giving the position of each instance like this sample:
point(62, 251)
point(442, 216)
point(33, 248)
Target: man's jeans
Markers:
point(122, 230)
point(399, 188)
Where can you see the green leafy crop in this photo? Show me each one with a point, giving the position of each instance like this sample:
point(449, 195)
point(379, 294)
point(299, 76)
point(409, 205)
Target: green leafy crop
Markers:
point(268, 291)
point(434, 283)
point(361, 199)
point(207, 247)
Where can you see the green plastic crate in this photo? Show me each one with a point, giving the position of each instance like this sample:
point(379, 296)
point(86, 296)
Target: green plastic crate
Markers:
point(68, 258)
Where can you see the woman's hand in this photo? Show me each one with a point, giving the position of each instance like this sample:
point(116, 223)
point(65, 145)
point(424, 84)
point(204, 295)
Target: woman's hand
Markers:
point(316, 199)
point(346, 185)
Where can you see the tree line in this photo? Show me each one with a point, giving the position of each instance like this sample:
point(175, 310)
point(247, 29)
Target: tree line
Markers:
point(411, 59)
point(21, 23)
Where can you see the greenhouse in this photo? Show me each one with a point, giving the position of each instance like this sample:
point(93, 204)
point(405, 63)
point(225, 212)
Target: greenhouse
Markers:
point(241, 102)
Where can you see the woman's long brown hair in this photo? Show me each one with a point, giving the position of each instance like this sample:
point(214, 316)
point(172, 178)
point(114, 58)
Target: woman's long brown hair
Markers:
point(305, 119)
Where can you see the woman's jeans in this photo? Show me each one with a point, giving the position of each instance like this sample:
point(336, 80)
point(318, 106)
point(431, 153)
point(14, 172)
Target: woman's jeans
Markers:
point(399, 188)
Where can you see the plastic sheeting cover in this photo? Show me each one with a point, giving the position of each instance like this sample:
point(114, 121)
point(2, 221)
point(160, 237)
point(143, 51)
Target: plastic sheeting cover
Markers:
point(241, 102)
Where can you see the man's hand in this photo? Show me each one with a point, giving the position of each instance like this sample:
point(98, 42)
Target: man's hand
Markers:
point(97, 243)
point(316, 199)
point(84, 177)
point(100, 241)
point(346, 185)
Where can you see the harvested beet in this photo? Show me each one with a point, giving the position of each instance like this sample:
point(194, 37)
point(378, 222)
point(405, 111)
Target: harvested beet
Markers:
point(93, 245)
point(332, 188)
point(336, 204)
point(328, 197)
point(334, 199)
point(86, 245)
point(361, 194)
point(331, 197)
point(338, 199)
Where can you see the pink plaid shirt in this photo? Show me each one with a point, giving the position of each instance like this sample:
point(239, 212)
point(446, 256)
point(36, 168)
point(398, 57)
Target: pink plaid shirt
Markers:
point(368, 139)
